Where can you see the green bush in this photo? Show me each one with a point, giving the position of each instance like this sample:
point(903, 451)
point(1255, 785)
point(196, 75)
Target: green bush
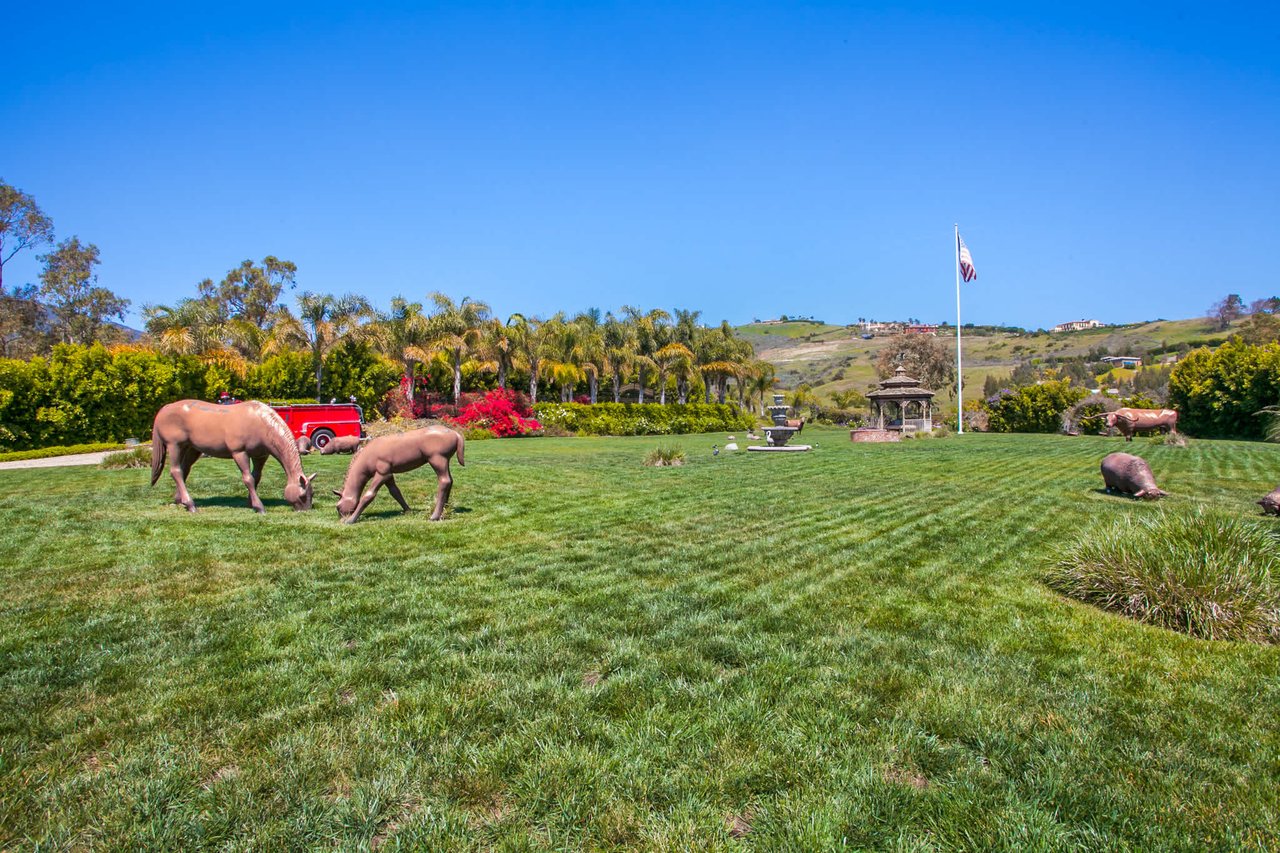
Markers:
point(50, 452)
point(1217, 393)
point(134, 457)
point(1031, 408)
point(1207, 573)
point(85, 394)
point(642, 418)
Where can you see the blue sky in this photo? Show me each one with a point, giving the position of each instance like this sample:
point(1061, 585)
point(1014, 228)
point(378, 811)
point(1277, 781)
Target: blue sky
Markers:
point(1116, 161)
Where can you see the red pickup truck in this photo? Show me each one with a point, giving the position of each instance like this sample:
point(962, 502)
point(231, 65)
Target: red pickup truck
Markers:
point(322, 422)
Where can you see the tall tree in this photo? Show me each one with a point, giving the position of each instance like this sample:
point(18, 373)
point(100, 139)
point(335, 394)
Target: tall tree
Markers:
point(589, 352)
point(401, 335)
point(24, 327)
point(68, 285)
point(23, 225)
point(456, 331)
point(673, 359)
point(323, 322)
point(252, 291)
point(618, 344)
point(1223, 312)
point(500, 347)
point(651, 334)
point(923, 356)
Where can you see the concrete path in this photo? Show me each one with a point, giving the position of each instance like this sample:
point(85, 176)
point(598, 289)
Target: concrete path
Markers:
point(58, 461)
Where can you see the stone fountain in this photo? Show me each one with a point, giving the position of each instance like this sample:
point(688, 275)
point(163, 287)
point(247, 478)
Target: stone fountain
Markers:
point(780, 433)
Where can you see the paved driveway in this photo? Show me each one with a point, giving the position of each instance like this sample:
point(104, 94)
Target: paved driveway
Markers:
point(58, 461)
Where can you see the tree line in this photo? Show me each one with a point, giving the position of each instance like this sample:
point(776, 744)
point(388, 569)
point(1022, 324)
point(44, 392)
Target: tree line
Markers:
point(244, 318)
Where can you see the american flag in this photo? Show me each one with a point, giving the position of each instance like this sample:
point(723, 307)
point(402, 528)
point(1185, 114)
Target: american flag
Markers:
point(967, 272)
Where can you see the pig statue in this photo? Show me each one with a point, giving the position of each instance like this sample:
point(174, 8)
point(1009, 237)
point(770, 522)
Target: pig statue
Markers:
point(341, 444)
point(1130, 475)
point(1271, 503)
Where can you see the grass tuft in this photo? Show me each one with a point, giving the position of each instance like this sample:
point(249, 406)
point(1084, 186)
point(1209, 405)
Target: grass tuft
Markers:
point(1207, 572)
point(661, 457)
point(134, 457)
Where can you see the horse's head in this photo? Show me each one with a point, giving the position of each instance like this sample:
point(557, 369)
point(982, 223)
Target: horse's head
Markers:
point(346, 505)
point(299, 494)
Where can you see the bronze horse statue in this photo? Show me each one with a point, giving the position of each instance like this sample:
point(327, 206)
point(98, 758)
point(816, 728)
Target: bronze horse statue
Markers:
point(382, 458)
point(248, 433)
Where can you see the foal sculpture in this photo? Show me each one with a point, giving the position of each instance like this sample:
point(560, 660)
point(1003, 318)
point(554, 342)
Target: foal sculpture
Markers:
point(247, 432)
point(384, 457)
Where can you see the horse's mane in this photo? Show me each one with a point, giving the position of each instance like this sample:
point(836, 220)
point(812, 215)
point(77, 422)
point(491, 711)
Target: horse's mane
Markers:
point(285, 447)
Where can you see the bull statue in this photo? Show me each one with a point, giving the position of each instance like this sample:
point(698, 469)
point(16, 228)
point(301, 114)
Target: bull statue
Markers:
point(384, 457)
point(341, 444)
point(1129, 421)
point(1129, 475)
point(246, 432)
point(1270, 503)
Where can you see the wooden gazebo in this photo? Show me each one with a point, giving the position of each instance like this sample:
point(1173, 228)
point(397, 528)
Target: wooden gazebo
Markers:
point(900, 403)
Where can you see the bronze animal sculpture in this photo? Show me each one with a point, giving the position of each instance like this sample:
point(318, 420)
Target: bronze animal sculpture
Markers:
point(247, 433)
point(341, 444)
point(1270, 503)
point(1129, 421)
point(384, 457)
point(304, 444)
point(1130, 475)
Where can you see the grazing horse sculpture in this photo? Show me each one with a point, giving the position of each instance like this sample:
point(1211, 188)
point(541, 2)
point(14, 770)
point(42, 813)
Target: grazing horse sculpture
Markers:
point(342, 444)
point(1129, 421)
point(384, 457)
point(247, 432)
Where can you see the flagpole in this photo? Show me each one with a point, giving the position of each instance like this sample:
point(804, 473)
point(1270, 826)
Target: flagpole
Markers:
point(959, 374)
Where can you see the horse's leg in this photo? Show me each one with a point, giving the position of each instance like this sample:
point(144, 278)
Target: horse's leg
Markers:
point(445, 483)
point(258, 462)
point(367, 497)
point(246, 477)
point(189, 457)
point(177, 454)
point(395, 492)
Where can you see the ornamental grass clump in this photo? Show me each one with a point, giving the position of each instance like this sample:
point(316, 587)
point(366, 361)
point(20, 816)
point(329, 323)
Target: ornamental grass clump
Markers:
point(664, 457)
point(1208, 573)
point(134, 457)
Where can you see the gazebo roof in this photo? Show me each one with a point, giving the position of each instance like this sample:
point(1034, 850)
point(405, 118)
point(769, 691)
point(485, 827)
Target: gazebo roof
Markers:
point(900, 386)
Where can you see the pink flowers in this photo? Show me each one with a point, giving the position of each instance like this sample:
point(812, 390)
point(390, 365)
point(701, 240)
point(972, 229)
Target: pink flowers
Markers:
point(501, 412)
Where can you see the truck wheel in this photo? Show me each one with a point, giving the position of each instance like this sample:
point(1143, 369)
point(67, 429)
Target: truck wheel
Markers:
point(321, 437)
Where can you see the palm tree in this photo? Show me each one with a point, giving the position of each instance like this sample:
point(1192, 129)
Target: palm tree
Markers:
point(501, 347)
point(401, 335)
point(456, 330)
point(529, 336)
point(673, 358)
point(618, 350)
point(651, 331)
point(590, 350)
point(323, 322)
point(190, 327)
point(763, 375)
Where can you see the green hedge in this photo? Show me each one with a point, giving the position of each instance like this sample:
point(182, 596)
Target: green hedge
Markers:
point(642, 418)
point(50, 452)
point(91, 394)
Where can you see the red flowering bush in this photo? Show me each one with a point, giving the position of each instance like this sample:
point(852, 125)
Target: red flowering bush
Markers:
point(501, 412)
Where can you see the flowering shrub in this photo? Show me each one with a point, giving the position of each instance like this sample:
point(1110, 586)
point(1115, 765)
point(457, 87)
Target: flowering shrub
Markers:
point(500, 412)
point(643, 418)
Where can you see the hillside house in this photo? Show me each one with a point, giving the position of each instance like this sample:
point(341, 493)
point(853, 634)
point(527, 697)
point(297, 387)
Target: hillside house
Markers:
point(1077, 326)
point(921, 329)
point(1125, 361)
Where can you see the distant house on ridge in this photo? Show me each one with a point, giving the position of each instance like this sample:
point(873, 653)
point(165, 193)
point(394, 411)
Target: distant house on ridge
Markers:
point(1124, 361)
point(1077, 326)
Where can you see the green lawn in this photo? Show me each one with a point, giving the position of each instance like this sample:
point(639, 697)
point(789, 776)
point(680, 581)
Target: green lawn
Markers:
point(847, 647)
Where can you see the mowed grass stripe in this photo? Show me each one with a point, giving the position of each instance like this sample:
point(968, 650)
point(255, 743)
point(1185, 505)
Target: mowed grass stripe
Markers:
point(848, 647)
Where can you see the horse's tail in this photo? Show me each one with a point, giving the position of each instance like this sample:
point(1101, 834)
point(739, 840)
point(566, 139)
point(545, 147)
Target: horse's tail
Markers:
point(157, 458)
point(461, 443)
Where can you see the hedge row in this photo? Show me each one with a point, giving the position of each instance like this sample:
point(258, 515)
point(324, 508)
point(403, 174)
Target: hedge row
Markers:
point(642, 418)
point(91, 394)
